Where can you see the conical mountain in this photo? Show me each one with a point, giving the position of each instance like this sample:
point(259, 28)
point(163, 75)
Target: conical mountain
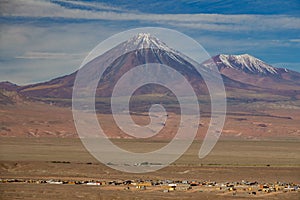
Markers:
point(239, 72)
point(139, 50)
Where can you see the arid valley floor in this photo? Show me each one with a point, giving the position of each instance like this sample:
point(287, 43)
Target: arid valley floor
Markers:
point(66, 159)
point(259, 144)
point(197, 100)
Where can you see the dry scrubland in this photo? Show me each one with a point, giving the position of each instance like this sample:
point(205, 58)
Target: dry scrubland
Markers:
point(257, 120)
point(260, 142)
point(66, 158)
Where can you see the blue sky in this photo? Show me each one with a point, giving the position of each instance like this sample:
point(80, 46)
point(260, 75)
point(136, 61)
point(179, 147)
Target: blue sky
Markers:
point(41, 40)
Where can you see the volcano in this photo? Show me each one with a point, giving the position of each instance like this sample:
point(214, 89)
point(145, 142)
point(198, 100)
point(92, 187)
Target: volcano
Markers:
point(262, 100)
point(253, 71)
point(146, 49)
point(240, 73)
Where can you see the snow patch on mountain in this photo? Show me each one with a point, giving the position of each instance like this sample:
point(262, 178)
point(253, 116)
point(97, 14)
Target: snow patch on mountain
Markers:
point(248, 63)
point(147, 41)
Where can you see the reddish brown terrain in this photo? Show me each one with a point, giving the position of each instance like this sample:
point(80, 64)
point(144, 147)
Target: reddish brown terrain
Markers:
point(41, 156)
point(258, 143)
point(25, 118)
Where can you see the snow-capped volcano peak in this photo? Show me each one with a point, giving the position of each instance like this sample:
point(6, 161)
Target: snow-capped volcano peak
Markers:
point(147, 41)
point(246, 63)
point(144, 36)
point(143, 39)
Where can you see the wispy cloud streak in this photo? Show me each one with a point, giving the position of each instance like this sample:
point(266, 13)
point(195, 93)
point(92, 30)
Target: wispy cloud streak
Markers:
point(216, 22)
point(51, 55)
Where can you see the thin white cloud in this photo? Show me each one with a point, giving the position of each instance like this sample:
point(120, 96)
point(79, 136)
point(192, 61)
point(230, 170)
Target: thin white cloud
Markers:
point(296, 40)
point(95, 5)
point(231, 23)
point(216, 22)
point(51, 55)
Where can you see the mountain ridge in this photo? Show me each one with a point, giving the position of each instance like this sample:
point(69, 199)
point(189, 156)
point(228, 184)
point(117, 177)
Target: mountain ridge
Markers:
point(239, 72)
point(253, 71)
point(262, 101)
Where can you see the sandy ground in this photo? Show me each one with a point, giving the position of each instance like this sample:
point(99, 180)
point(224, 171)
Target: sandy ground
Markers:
point(262, 161)
point(259, 120)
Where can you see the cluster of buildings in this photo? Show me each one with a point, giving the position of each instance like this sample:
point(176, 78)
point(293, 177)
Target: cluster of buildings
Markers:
point(232, 188)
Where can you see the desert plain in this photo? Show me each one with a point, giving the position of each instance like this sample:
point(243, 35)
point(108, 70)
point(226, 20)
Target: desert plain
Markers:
point(39, 142)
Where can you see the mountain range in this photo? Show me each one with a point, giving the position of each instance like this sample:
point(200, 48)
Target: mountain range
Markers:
point(262, 101)
point(239, 72)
